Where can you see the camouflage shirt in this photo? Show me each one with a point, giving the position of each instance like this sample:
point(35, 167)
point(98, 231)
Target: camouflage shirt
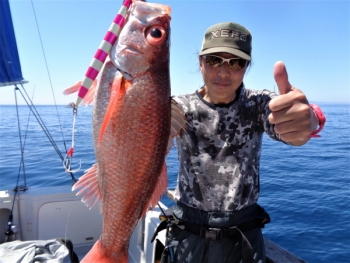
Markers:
point(219, 151)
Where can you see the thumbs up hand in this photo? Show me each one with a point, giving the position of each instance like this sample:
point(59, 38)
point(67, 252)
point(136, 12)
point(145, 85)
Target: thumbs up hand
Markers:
point(290, 112)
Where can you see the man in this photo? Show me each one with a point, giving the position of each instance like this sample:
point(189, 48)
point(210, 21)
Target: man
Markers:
point(217, 216)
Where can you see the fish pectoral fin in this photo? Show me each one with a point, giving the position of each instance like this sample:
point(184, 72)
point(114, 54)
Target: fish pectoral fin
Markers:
point(88, 187)
point(178, 122)
point(159, 190)
point(118, 87)
point(115, 87)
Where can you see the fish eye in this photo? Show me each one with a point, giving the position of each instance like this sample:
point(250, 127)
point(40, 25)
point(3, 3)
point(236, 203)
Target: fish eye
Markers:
point(156, 35)
point(155, 32)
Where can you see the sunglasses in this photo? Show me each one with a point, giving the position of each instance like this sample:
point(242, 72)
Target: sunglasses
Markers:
point(216, 61)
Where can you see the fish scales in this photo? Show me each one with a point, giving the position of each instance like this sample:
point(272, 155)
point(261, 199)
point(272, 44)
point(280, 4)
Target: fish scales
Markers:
point(130, 156)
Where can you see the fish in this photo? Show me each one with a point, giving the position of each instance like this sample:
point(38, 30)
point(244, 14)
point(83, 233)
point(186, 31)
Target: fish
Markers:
point(134, 121)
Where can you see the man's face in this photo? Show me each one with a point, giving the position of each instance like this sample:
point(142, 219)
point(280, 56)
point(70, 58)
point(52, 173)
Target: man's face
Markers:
point(221, 82)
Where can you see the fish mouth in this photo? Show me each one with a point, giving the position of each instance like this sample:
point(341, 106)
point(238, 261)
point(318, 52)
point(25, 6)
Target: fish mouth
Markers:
point(133, 50)
point(128, 49)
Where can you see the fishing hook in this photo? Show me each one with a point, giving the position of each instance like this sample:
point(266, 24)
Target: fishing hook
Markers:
point(67, 163)
point(69, 155)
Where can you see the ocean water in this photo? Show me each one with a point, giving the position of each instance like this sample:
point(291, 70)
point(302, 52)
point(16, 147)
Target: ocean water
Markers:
point(305, 189)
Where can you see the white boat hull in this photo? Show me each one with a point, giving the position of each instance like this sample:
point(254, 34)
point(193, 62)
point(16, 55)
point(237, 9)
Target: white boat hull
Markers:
point(55, 212)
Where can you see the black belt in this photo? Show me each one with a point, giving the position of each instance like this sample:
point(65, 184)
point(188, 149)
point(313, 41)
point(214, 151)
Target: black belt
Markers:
point(168, 220)
point(220, 233)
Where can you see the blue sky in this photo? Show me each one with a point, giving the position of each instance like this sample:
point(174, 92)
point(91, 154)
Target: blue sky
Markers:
point(311, 37)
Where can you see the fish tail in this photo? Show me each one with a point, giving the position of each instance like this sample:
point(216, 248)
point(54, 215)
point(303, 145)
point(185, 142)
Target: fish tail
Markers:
point(95, 256)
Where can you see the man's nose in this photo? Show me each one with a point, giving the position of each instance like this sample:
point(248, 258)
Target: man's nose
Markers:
point(224, 69)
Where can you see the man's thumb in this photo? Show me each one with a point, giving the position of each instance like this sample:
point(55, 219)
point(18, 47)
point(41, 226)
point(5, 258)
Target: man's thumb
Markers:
point(281, 78)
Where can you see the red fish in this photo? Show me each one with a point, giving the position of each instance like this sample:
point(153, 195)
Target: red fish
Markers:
point(132, 129)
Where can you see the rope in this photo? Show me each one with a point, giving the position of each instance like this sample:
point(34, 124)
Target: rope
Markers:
point(43, 126)
point(41, 122)
point(24, 143)
point(9, 234)
point(20, 141)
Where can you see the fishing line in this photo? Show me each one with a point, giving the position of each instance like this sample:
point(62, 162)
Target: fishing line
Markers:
point(66, 231)
point(48, 72)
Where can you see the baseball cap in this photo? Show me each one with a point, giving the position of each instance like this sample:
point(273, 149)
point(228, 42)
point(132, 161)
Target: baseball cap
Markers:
point(227, 37)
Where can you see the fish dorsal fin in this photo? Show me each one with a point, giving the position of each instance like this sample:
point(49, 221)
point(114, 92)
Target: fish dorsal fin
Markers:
point(159, 190)
point(178, 122)
point(72, 89)
point(88, 187)
point(89, 97)
point(117, 88)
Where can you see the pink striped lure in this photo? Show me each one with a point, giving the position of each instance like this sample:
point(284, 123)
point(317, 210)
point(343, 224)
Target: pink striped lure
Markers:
point(103, 51)
point(94, 68)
